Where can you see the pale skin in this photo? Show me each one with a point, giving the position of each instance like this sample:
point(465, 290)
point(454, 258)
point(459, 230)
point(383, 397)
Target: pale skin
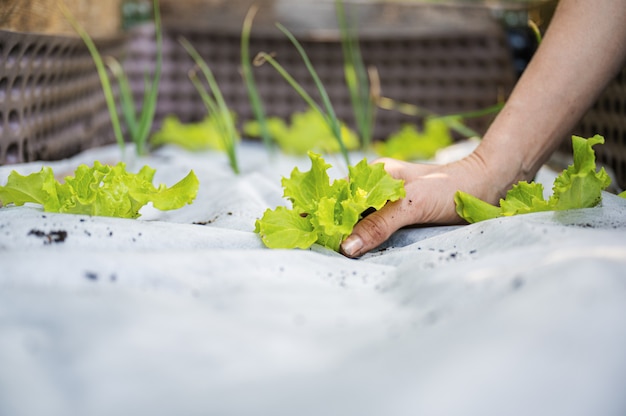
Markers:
point(583, 49)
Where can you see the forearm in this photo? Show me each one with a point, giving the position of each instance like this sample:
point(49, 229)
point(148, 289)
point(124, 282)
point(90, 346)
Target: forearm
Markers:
point(584, 48)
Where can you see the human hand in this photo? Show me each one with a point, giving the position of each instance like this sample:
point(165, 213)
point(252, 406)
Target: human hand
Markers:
point(429, 199)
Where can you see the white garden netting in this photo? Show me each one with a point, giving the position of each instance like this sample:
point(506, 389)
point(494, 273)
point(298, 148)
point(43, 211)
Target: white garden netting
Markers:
point(516, 316)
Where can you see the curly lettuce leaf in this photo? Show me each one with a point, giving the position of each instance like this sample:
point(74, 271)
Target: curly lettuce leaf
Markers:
point(308, 131)
point(579, 186)
point(323, 212)
point(286, 228)
point(203, 135)
point(100, 190)
point(35, 188)
point(411, 144)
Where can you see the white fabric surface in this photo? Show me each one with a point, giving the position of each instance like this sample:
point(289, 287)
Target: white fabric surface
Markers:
point(159, 316)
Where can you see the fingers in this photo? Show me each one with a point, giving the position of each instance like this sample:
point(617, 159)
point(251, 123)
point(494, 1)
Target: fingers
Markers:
point(373, 230)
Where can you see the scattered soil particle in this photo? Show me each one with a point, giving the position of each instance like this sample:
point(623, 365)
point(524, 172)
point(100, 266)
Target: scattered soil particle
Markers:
point(585, 225)
point(91, 276)
point(517, 283)
point(58, 236)
point(207, 222)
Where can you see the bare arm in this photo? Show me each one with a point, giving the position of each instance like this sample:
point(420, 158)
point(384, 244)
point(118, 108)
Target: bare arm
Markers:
point(583, 49)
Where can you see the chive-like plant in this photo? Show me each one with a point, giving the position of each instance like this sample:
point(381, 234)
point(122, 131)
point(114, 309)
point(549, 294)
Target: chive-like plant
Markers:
point(215, 104)
point(328, 112)
point(454, 122)
point(248, 77)
point(357, 78)
point(138, 125)
point(536, 31)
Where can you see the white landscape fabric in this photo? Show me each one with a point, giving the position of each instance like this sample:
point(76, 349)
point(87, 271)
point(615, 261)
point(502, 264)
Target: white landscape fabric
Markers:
point(520, 316)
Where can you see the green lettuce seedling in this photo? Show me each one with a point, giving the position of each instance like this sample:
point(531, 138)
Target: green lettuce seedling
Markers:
point(203, 135)
point(410, 144)
point(101, 190)
point(579, 186)
point(307, 131)
point(323, 212)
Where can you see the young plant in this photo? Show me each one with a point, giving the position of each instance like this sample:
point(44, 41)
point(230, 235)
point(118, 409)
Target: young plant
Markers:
point(98, 190)
point(323, 212)
point(139, 125)
point(215, 104)
point(579, 186)
point(329, 113)
point(357, 79)
point(202, 135)
point(306, 131)
point(455, 122)
point(102, 74)
point(248, 77)
point(410, 144)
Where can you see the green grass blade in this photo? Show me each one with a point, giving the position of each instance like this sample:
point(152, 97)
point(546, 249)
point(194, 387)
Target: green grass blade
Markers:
point(330, 115)
point(265, 57)
point(151, 91)
point(216, 104)
point(253, 92)
point(356, 77)
point(536, 31)
point(127, 100)
point(102, 74)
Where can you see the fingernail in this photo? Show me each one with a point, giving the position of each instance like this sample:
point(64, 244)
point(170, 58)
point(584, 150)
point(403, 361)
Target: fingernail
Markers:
point(352, 245)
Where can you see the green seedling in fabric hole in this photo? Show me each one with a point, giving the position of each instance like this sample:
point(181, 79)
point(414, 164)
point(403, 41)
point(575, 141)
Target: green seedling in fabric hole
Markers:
point(323, 212)
point(100, 190)
point(203, 135)
point(215, 105)
point(410, 144)
point(578, 186)
point(329, 114)
point(139, 125)
point(306, 131)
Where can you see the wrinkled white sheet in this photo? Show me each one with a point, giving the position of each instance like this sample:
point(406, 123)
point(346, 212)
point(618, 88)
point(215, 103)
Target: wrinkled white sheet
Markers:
point(159, 316)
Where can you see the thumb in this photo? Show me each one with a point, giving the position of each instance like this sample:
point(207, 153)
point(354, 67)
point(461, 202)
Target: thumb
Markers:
point(372, 230)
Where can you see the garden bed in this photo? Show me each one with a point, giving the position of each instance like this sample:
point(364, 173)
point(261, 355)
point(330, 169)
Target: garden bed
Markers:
point(186, 312)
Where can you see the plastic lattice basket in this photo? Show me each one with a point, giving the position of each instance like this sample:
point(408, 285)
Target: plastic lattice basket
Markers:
point(464, 64)
point(51, 100)
point(608, 118)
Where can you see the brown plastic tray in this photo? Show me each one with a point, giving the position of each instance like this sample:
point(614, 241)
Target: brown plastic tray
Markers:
point(51, 100)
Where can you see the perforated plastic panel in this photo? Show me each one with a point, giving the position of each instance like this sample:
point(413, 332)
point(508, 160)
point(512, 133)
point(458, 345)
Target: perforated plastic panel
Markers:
point(444, 72)
point(51, 101)
point(608, 118)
